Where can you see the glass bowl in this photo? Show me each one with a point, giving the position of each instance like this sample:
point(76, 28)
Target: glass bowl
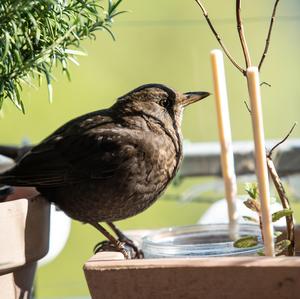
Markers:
point(205, 240)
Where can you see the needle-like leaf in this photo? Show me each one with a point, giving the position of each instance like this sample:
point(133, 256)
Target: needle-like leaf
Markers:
point(37, 35)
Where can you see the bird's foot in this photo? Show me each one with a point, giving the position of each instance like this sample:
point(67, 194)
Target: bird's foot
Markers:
point(137, 253)
point(122, 244)
point(104, 246)
point(111, 246)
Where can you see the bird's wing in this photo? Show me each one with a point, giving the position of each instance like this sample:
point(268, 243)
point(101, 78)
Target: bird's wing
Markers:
point(74, 154)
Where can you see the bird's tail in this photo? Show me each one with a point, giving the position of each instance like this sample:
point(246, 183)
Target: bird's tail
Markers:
point(14, 152)
point(11, 180)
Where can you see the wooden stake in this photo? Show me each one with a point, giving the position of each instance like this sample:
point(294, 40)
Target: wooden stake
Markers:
point(227, 158)
point(260, 158)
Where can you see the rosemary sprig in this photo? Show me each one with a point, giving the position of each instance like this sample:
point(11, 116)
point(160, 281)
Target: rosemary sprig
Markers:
point(36, 35)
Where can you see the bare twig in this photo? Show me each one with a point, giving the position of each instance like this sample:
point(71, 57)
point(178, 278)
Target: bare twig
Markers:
point(282, 194)
point(265, 83)
point(247, 106)
point(261, 84)
point(285, 204)
point(219, 38)
point(261, 226)
point(268, 36)
point(240, 29)
point(283, 140)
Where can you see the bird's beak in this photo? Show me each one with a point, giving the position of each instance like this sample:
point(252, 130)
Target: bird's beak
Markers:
point(194, 96)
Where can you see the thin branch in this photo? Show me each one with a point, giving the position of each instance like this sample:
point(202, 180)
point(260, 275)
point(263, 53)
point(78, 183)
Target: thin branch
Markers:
point(219, 38)
point(285, 204)
point(265, 83)
point(240, 29)
point(247, 106)
point(281, 191)
point(268, 36)
point(283, 140)
point(261, 84)
point(282, 194)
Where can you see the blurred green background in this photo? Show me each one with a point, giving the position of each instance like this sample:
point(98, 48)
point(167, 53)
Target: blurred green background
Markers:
point(165, 42)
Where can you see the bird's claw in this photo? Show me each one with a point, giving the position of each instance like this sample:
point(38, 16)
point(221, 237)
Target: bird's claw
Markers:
point(110, 246)
point(138, 253)
point(104, 246)
point(129, 250)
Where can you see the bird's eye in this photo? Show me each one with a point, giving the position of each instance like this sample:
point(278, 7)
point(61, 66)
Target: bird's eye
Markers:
point(166, 103)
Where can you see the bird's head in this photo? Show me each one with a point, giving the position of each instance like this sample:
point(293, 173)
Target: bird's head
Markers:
point(160, 102)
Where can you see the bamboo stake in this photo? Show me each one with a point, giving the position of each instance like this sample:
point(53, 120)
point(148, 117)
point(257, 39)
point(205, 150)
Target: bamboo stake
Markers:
point(227, 158)
point(260, 158)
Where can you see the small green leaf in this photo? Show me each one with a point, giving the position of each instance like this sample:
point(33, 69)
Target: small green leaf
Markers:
point(277, 234)
point(50, 92)
point(7, 45)
point(49, 86)
point(75, 52)
point(37, 35)
point(252, 190)
point(22, 107)
point(281, 246)
point(282, 213)
point(246, 242)
point(73, 60)
point(251, 219)
point(261, 252)
point(252, 204)
point(65, 71)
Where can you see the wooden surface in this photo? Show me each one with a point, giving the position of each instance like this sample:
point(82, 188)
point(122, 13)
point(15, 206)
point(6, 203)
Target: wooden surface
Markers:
point(213, 278)
point(110, 276)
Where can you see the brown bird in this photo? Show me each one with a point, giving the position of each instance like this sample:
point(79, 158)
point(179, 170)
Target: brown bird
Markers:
point(110, 164)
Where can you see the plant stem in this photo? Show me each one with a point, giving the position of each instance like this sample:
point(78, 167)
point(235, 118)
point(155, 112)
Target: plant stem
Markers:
point(283, 140)
point(240, 29)
point(217, 36)
point(285, 204)
point(268, 36)
point(282, 194)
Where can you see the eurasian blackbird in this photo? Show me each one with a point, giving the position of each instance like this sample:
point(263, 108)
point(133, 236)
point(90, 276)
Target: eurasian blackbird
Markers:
point(110, 164)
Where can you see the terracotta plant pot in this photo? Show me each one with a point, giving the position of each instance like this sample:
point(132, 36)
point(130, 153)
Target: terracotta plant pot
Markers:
point(24, 238)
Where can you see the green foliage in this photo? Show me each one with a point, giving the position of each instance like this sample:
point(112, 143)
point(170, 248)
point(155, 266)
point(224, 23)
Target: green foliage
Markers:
point(35, 35)
point(280, 247)
point(251, 219)
point(252, 190)
point(246, 242)
point(277, 234)
point(261, 252)
point(253, 204)
point(282, 213)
